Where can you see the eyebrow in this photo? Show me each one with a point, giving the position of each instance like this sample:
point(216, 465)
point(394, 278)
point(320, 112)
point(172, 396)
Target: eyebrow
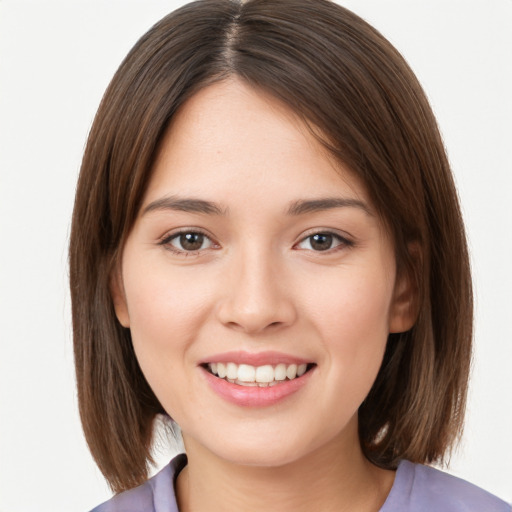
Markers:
point(316, 205)
point(185, 205)
point(296, 208)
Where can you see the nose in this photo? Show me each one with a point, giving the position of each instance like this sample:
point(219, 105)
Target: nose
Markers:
point(256, 296)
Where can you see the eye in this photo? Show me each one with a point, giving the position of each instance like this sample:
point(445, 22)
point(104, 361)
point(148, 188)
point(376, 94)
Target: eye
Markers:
point(187, 242)
point(319, 242)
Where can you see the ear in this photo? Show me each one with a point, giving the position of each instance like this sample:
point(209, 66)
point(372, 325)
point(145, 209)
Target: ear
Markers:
point(119, 297)
point(405, 305)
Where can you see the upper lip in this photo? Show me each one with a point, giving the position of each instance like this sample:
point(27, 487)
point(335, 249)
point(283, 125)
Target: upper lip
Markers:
point(255, 358)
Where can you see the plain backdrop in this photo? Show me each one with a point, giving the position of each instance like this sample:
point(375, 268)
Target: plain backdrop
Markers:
point(56, 58)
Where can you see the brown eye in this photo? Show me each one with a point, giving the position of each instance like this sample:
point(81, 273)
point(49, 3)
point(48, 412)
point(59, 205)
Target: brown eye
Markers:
point(320, 242)
point(188, 242)
point(191, 241)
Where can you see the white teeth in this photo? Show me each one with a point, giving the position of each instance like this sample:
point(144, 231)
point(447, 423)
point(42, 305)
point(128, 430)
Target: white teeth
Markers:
point(246, 373)
point(262, 376)
point(231, 371)
point(264, 373)
point(221, 370)
point(248, 384)
point(280, 372)
point(291, 371)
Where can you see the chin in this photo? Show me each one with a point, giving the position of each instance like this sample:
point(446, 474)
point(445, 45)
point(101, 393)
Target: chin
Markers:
point(263, 457)
point(265, 449)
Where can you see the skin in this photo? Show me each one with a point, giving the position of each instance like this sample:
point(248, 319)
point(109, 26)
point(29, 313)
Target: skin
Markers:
point(257, 283)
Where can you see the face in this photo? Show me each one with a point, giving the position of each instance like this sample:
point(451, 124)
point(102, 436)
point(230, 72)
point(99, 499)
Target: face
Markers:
point(258, 282)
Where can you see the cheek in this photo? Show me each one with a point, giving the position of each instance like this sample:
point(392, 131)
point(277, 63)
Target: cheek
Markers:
point(166, 310)
point(352, 303)
point(351, 315)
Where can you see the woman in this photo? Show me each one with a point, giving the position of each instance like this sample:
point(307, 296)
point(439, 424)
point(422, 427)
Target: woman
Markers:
point(267, 247)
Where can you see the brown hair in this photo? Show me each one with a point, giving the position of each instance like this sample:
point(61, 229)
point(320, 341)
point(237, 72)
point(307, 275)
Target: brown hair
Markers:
point(341, 76)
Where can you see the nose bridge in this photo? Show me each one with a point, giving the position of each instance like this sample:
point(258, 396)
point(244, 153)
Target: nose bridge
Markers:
point(255, 296)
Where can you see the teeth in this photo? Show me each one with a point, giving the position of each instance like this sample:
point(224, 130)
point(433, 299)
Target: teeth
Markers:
point(262, 376)
point(231, 371)
point(221, 370)
point(265, 373)
point(291, 371)
point(246, 373)
point(280, 372)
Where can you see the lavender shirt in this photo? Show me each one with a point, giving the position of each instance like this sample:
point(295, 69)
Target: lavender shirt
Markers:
point(417, 488)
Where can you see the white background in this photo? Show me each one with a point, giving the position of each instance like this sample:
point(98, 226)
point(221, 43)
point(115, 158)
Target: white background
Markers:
point(56, 59)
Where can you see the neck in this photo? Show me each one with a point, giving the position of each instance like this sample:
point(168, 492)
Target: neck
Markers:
point(335, 477)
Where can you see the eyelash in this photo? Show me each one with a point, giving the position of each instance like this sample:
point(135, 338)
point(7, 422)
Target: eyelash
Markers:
point(166, 241)
point(343, 242)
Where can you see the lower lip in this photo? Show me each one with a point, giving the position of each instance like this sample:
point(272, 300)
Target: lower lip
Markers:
point(254, 396)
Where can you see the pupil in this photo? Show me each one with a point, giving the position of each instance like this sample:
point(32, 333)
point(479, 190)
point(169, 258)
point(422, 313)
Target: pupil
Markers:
point(321, 242)
point(191, 241)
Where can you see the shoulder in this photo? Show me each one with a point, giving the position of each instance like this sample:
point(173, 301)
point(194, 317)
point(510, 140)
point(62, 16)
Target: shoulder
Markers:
point(419, 488)
point(155, 495)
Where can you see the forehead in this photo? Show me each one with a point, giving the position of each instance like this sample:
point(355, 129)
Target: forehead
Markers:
point(230, 138)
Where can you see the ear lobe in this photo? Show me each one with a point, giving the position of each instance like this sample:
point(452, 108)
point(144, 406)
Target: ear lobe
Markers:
point(119, 298)
point(405, 306)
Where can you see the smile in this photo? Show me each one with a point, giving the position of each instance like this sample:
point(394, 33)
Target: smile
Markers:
point(261, 376)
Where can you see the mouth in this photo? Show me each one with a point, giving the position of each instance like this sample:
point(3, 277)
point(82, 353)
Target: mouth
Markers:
point(258, 376)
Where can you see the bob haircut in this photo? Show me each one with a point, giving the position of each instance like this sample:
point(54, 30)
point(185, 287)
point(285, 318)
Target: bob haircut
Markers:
point(358, 95)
